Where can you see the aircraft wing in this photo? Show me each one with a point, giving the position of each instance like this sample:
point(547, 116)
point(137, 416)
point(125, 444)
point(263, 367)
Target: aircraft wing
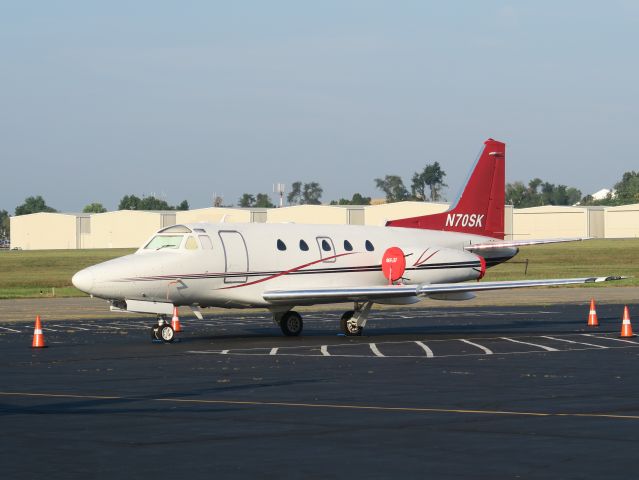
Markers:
point(520, 243)
point(390, 292)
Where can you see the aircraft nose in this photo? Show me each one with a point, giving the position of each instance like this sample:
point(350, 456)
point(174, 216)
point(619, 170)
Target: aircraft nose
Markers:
point(84, 280)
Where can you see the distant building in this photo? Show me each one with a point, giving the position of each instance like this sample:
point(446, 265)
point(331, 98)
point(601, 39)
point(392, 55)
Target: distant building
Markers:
point(601, 194)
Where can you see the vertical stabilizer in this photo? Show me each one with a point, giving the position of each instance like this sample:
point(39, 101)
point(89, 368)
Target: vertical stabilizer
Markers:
point(480, 207)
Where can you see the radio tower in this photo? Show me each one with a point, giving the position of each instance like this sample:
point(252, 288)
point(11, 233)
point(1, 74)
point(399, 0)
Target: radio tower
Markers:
point(280, 188)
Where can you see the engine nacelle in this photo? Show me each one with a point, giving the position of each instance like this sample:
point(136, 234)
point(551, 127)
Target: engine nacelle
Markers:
point(441, 265)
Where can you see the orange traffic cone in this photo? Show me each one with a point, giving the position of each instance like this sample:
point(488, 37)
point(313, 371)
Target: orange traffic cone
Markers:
point(626, 328)
point(592, 316)
point(38, 336)
point(175, 321)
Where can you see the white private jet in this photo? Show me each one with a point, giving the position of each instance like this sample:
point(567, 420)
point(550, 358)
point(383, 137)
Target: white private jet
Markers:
point(280, 266)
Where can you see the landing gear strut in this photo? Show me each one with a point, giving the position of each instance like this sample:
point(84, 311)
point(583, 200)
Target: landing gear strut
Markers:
point(353, 321)
point(163, 330)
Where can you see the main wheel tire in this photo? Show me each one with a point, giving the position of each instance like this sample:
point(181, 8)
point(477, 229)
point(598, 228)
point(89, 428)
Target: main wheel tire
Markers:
point(349, 326)
point(291, 324)
point(167, 334)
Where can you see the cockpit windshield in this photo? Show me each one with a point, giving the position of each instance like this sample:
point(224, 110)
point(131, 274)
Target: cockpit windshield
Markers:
point(164, 241)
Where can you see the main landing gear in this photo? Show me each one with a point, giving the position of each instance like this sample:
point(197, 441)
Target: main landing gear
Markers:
point(353, 321)
point(290, 322)
point(163, 330)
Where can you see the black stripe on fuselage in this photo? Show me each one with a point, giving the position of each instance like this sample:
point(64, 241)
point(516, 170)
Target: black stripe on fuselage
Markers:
point(363, 269)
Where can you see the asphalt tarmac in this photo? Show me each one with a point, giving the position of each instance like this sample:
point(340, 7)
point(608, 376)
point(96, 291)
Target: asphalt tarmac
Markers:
point(446, 392)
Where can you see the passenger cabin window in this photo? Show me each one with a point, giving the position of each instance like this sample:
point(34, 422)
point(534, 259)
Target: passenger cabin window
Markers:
point(191, 243)
point(369, 246)
point(281, 245)
point(347, 246)
point(206, 242)
point(326, 249)
point(164, 241)
point(303, 246)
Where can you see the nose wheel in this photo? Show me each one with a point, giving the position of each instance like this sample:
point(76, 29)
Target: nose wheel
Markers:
point(163, 331)
point(349, 324)
point(353, 321)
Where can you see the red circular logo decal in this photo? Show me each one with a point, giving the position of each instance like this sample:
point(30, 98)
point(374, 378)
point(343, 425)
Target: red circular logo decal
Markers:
point(393, 263)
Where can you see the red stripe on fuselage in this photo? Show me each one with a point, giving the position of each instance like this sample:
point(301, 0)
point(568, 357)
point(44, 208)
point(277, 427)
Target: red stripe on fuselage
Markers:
point(288, 271)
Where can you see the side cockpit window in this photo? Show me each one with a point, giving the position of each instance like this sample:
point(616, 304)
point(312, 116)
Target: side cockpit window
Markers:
point(191, 243)
point(206, 242)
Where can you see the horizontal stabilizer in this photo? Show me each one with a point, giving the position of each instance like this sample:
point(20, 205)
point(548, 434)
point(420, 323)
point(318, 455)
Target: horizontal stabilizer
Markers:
point(521, 243)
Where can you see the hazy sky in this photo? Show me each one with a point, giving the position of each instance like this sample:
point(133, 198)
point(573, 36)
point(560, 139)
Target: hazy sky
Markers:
point(185, 99)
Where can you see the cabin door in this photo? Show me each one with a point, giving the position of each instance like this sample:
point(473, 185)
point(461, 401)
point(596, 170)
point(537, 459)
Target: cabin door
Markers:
point(235, 256)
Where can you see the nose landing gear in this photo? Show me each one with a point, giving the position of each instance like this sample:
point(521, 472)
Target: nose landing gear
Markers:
point(163, 330)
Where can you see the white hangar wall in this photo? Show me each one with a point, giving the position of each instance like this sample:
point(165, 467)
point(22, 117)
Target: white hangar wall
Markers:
point(46, 231)
point(131, 228)
point(317, 214)
point(378, 215)
point(214, 215)
point(622, 221)
point(126, 228)
point(549, 222)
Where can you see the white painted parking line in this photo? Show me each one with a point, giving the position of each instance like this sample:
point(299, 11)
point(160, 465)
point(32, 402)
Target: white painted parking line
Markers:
point(324, 350)
point(74, 327)
point(610, 338)
point(133, 325)
point(224, 352)
point(572, 341)
point(549, 349)
point(375, 350)
point(101, 325)
point(274, 351)
point(481, 347)
point(49, 329)
point(429, 352)
point(10, 330)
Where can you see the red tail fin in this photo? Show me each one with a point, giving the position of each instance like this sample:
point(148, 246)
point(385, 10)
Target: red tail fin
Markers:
point(480, 207)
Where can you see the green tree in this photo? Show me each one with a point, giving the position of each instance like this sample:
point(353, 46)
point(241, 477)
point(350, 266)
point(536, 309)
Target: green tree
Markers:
point(627, 190)
point(357, 199)
point(246, 200)
point(132, 202)
point(129, 202)
point(540, 193)
point(515, 194)
point(94, 208)
point(312, 192)
point(431, 178)
point(393, 187)
point(294, 197)
point(153, 203)
point(5, 225)
point(263, 200)
point(33, 205)
point(305, 194)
